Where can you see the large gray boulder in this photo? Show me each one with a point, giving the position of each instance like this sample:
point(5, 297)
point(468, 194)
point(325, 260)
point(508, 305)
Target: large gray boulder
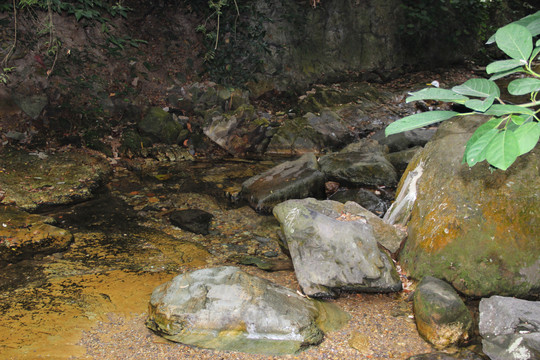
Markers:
point(227, 309)
point(475, 228)
point(289, 180)
point(334, 248)
point(510, 328)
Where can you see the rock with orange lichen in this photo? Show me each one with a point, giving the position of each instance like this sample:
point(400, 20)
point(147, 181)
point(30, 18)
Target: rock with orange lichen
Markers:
point(475, 228)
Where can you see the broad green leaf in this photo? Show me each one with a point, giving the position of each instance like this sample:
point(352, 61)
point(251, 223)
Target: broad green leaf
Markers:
point(502, 150)
point(418, 120)
point(500, 110)
point(505, 73)
point(527, 136)
point(515, 40)
point(480, 105)
point(437, 94)
point(524, 86)
point(475, 151)
point(478, 87)
point(503, 65)
point(531, 22)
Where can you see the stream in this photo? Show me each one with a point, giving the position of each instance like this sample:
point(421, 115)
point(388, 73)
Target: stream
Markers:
point(124, 246)
point(90, 302)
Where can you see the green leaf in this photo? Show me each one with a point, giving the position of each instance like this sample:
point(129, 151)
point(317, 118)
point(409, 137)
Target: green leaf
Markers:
point(527, 136)
point(480, 105)
point(503, 65)
point(416, 121)
point(531, 22)
point(518, 120)
point(516, 41)
point(500, 110)
point(502, 150)
point(78, 14)
point(524, 86)
point(478, 87)
point(505, 73)
point(476, 146)
point(437, 94)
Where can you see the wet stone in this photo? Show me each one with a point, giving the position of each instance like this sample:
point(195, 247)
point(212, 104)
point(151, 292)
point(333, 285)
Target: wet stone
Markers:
point(334, 249)
point(510, 328)
point(441, 316)
point(24, 235)
point(225, 308)
point(359, 169)
point(34, 181)
point(459, 355)
point(289, 180)
point(195, 220)
point(365, 198)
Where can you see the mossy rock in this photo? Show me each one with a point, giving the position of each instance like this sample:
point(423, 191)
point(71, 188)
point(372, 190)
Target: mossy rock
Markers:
point(160, 124)
point(475, 228)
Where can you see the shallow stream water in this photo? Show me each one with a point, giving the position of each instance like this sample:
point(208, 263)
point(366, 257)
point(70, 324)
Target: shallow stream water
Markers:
point(90, 301)
point(61, 305)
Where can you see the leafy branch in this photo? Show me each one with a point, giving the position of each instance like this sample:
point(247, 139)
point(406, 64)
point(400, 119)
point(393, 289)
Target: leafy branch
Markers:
point(513, 129)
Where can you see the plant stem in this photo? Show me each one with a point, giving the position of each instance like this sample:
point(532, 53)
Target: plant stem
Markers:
point(530, 104)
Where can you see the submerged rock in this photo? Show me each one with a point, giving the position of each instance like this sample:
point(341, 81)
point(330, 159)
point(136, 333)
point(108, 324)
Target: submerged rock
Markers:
point(334, 248)
point(472, 227)
point(23, 235)
point(225, 308)
point(195, 220)
point(290, 180)
point(441, 316)
point(39, 180)
point(510, 328)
